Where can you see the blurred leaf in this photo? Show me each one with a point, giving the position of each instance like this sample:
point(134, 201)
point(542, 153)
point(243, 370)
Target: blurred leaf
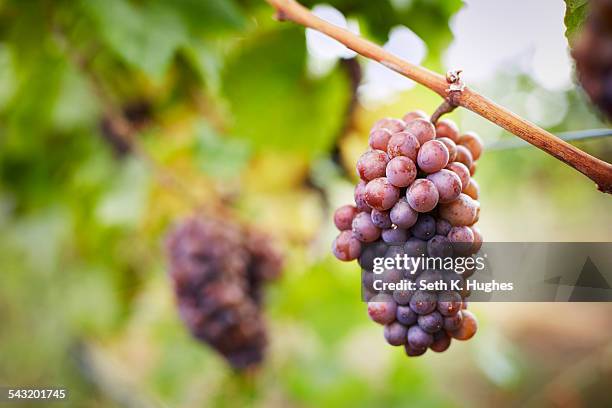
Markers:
point(275, 104)
point(209, 15)
point(576, 12)
point(218, 156)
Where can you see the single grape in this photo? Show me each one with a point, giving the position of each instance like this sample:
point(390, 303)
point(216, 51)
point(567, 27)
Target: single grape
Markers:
point(447, 183)
point(443, 227)
point(472, 141)
point(432, 156)
point(346, 247)
point(403, 144)
point(393, 125)
point(401, 171)
point(403, 215)
point(360, 201)
point(449, 303)
point(364, 229)
point(424, 228)
point(343, 217)
point(423, 302)
point(439, 247)
point(423, 129)
point(431, 322)
point(395, 334)
point(460, 212)
point(472, 189)
point(372, 164)
point(379, 139)
point(382, 309)
point(415, 247)
point(402, 297)
point(395, 235)
point(380, 194)
point(414, 352)
point(473, 169)
point(441, 342)
point(422, 195)
point(462, 239)
point(419, 338)
point(452, 323)
point(416, 114)
point(462, 171)
point(405, 315)
point(477, 239)
point(450, 146)
point(464, 156)
point(381, 219)
point(447, 128)
point(468, 327)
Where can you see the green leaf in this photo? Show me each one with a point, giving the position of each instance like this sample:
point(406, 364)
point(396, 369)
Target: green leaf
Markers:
point(275, 104)
point(218, 156)
point(145, 37)
point(576, 12)
point(209, 15)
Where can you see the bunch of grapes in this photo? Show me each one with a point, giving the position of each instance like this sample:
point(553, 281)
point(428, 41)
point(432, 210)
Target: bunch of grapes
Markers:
point(593, 55)
point(416, 197)
point(218, 269)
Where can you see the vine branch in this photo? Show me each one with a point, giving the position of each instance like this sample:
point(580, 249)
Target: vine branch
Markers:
point(595, 169)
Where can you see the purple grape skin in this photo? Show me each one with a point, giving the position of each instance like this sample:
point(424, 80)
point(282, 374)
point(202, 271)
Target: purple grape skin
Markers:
point(419, 338)
point(392, 124)
point(423, 302)
point(449, 303)
point(405, 315)
point(423, 129)
point(401, 171)
point(443, 227)
point(424, 228)
point(380, 194)
point(415, 247)
point(431, 322)
point(447, 183)
point(363, 228)
point(428, 277)
point(414, 352)
point(382, 309)
point(462, 239)
point(343, 217)
point(346, 247)
point(372, 164)
point(452, 323)
point(403, 144)
point(395, 235)
point(402, 297)
point(403, 215)
point(441, 342)
point(369, 252)
point(422, 195)
point(433, 156)
point(381, 219)
point(439, 246)
point(395, 334)
point(360, 201)
point(379, 138)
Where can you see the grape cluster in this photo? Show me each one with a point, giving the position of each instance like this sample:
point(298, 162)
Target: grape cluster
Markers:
point(218, 269)
point(593, 55)
point(416, 197)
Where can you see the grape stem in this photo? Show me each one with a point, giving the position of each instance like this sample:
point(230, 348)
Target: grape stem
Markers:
point(597, 170)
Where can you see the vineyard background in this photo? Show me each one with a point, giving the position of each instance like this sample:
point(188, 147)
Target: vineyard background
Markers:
point(231, 108)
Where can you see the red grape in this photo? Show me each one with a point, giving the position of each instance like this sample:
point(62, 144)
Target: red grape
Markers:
point(423, 129)
point(360, 201)
point(432, 156)
point(364, 229)
point(448, 184)
point(472, 141)
point(443, 227)
point(346, 247)
point(477, 239)
point(380, 194)
point(462, 171)
point(460, 212)
point(473, 168)
point(393, 125)
point(403, 215)
point(382, 309)
point(447, 128)
point(464, 156)
point(403, 144)
point(401, 171)
point(372, 164)
point(450, 146)
point(441, 342)
point(381, 219)
point(417, 114)
point(343, 217)
point(472, 189)
point(462, 239)
point(468, 328)
point(422, 195)
point(379, 139)
point(395, 334)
